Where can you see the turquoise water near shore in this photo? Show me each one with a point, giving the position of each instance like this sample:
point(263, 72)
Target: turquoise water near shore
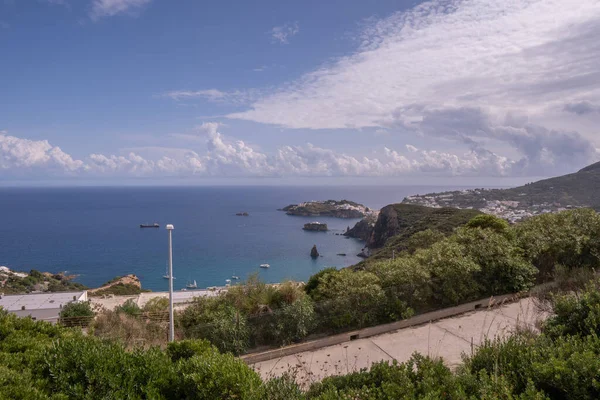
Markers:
point(94, 231)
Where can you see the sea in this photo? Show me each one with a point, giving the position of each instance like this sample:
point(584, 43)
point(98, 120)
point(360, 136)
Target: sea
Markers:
point(94, 232)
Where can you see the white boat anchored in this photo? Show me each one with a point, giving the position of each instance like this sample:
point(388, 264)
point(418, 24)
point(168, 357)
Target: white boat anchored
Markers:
point(166, 275)
point(235, 277)
point(192, 285)
point(264, 265)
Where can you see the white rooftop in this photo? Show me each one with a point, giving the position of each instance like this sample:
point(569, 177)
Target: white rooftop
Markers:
point(41, 301)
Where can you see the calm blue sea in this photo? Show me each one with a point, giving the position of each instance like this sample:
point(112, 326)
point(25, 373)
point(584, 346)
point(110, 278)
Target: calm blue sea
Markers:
point(94, 232)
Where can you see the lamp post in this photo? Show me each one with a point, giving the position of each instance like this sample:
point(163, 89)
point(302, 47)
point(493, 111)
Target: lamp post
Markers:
point(171, 321)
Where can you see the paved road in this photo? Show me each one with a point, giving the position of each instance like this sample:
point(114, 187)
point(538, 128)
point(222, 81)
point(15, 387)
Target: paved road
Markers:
point(448, 338)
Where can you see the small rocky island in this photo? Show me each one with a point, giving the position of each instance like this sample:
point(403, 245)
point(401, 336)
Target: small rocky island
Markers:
point(328, 208)
point(315, 226)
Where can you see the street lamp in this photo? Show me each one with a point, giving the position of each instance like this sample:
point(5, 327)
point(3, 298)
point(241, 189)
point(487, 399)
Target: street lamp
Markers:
point(171, 321)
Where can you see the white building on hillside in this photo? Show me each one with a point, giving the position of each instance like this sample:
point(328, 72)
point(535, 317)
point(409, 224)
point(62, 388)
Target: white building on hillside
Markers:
point(42, 306)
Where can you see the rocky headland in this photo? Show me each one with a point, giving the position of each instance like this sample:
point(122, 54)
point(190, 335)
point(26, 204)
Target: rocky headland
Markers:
point(391, 230)
point(14, 282)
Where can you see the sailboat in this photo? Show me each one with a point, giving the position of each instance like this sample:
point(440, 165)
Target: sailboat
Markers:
point(191, 285)
point(166, 275)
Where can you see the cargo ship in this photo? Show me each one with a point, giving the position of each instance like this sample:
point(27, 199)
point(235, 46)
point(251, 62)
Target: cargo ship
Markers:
point(154, 225)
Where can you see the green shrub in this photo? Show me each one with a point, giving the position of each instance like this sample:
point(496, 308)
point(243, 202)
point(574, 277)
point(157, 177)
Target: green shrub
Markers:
point(314, 280)
point(217, 321)
point(130, 307)
point(185, 349)
point(486, 221)
point(349, 299)
point(77, 313)
point(157, 305)
point(295, 321)
point(575, 314)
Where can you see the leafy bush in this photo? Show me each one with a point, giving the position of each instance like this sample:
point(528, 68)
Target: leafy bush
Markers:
point(486, 221)
point(576, 314)
point(130, 307)
point(569, 238)
point(295, 320)
point(157, 305)
point(218, 322)
point(314, 280)
point(77, 313)
point(349, 299)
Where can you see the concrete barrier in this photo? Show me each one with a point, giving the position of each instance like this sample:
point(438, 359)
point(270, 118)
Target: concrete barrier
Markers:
point(420, 319)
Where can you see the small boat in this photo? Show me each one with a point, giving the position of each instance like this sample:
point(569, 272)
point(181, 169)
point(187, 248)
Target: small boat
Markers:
point(166, 275)
point(341, 254)
point(154, 225)
point(227, 280)
point(235, 277)
point(264, 265)
point(192, 285)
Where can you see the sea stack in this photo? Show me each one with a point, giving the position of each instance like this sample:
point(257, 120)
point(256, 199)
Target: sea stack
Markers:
point(313, 252)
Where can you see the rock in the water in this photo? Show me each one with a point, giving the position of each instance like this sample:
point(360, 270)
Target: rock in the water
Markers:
point(315, 226)
point(314, 253)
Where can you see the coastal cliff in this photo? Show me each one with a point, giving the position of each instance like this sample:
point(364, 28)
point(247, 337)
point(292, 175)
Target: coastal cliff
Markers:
point(363, 229)
point(396, 223)
point(328, 208)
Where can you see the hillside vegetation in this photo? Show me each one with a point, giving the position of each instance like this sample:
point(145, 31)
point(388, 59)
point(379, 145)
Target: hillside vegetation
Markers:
point(35, 281)
point(43, 361)
point(580, 189)
point(397, 223)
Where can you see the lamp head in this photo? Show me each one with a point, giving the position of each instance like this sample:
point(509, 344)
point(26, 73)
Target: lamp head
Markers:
point(170, 227)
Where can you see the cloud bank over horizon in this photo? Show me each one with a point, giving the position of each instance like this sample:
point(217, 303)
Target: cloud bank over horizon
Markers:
point(225, 157)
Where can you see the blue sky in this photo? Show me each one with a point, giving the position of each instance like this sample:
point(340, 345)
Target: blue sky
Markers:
point(119, 90)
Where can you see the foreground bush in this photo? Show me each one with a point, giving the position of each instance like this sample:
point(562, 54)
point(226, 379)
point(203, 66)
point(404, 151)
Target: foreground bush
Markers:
point(40, 361)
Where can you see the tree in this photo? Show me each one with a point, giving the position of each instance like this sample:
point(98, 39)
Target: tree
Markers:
point(486, 221)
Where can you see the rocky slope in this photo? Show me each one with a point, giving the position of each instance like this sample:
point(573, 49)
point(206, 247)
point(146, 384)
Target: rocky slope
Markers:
point(13, 282)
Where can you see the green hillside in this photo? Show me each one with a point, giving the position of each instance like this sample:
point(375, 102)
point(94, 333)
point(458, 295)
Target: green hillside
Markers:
point(397, 223)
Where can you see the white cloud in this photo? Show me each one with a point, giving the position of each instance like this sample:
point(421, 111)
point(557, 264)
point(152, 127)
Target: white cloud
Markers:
point(514, 59)
point(215, 96)
point(282, 34)
point(109, 8)
point(235, 158)
point(32, 156)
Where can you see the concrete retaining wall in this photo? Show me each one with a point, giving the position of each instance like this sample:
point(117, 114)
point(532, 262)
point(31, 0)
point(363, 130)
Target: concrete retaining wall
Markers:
point(379, 329)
